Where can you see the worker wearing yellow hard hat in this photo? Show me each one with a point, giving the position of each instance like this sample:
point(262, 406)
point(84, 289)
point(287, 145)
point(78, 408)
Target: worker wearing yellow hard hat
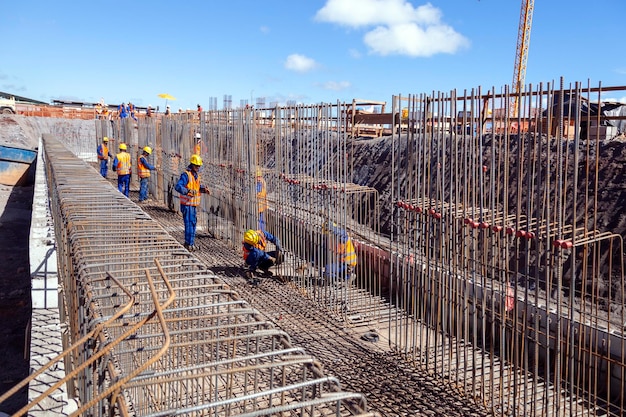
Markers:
point(190, 187)
point(122, 165)
point(255, 253)
point(143, 172)
point(103, 156)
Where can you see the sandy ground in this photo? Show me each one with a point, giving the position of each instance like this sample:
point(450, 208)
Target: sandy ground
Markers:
point(15, 301)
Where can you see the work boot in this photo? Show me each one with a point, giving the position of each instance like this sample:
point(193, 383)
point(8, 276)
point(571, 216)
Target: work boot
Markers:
point(267, 272)
point(188, 247)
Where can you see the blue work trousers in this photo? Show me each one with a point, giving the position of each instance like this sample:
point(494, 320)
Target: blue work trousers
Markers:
point(104, 167)
point(123, 184)
point(189, 217)
point(336, 270)
point(262, 221)
point(143, 189)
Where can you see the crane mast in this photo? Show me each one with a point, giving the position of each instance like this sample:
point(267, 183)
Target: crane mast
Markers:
point(521, 54)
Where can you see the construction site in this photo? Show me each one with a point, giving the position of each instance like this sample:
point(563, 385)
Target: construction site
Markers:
point(489, 280)
point(486, 273)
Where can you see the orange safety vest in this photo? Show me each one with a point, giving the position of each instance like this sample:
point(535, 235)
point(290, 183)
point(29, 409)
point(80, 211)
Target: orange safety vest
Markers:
point(142, 170)
point(105, 152)
point(192, 184)
point(348, 253)
point(262, 195)
point(123, 163)
point(344, 250)
point(260, 245)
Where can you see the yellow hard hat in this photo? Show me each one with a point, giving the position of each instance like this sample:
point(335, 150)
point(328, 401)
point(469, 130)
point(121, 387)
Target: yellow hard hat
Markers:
point(251, 237)
point(259, 173)
point(147, 150)
point(123, 146)
point(105, 139)
point(328, 226)
point(196, 160)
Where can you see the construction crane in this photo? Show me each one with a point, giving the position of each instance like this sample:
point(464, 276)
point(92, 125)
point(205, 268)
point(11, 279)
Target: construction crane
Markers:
point(521, 57)
point(521, 54)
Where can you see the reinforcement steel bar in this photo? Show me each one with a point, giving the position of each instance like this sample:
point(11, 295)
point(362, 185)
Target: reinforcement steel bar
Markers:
point(507, 265)
point(482, 256)
point(208, 352)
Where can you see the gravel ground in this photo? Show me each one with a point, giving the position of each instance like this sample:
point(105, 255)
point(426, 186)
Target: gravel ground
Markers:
point(392, 386)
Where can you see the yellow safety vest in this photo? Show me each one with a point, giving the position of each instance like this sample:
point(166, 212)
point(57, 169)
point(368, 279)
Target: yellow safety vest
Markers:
point(105, 152)
point(348, 252)
point(192, 184)
point(262, 195)
point(123, 163)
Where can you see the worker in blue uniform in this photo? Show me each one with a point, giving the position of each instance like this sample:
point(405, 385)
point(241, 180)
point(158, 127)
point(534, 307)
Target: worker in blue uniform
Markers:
point(255, 252)
point(338, 253)
point(103, 156)
point(190, 187)
point(122, 165)
point(143, 172)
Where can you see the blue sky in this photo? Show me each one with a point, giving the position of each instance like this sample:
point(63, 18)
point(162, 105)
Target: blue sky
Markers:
point(309, 51)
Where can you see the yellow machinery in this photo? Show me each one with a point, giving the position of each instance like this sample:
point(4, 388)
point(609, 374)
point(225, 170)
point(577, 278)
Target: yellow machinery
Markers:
point(521, 54)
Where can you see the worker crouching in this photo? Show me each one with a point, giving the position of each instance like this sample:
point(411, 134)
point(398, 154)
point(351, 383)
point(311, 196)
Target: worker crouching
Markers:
point(255, 254)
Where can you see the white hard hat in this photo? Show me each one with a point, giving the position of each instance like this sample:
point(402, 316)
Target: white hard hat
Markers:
point(198, 136)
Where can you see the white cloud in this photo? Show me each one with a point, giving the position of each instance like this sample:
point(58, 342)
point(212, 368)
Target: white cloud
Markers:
point(300, 63)
point(395, 26)
point(614, 100)
point(354, 53)
point(413, 40)
point(336, 85)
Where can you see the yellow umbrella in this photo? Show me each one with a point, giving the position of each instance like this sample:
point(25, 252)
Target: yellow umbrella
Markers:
point(167, 97)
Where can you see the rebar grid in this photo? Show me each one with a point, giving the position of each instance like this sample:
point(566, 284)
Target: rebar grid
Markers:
point(209, 353)
point(499, 250)
point(488, 243)
point(480, 241)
